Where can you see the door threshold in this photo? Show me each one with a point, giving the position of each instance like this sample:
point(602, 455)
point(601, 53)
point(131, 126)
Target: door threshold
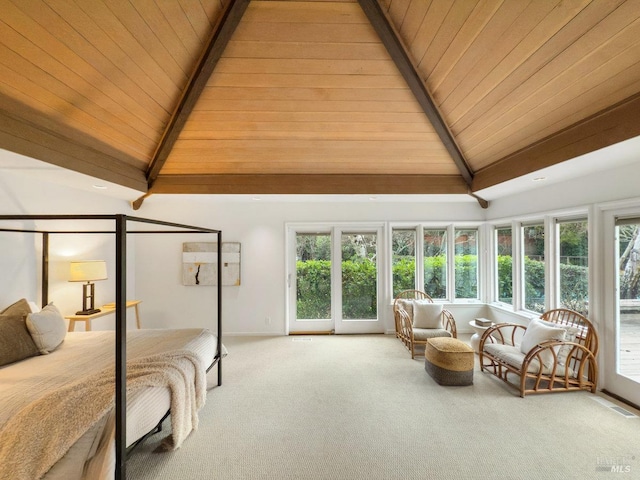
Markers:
point(313, 332)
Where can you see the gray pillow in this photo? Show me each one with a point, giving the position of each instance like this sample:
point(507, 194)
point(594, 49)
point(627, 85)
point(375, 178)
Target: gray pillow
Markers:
point(47, 328)
point(15, 342)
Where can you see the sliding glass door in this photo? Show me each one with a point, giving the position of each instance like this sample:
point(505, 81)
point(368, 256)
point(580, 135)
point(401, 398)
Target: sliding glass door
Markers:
point(334, 280)
point(358, 294)
point(628, 318)
point(311, 308)
point(622, 337)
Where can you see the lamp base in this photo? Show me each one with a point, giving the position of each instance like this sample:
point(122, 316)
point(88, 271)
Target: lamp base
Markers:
point(88, 312)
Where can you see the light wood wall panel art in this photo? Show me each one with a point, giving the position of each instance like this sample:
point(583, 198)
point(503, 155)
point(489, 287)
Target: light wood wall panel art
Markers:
point(200, 263)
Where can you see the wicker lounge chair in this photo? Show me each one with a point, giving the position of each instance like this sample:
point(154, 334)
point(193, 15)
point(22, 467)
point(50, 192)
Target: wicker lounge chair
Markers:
point(556, 353)
point(418, 319)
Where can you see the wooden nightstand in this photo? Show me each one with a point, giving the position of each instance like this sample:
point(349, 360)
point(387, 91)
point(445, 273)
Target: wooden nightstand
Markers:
point(104, 310)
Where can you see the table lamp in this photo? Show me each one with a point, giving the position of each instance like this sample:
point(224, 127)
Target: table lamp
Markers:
point(88, 271)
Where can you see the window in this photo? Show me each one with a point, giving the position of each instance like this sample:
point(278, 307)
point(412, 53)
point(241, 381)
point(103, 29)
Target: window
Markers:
point(466, 263)
point(504, 265)
point(534, 267)
point(403, 251)
point(573, 276)
point(435, 263)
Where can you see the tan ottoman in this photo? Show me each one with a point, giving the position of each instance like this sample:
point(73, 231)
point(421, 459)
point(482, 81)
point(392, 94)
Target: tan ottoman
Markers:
point(449, 361)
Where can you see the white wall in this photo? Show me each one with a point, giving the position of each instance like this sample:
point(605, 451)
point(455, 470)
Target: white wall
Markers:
point(155, 262)
point(260, 228)
point(20, 261)
point(610, 185)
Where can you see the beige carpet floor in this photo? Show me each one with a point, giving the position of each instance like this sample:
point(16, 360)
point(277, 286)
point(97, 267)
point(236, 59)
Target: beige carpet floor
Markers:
point(358, 407)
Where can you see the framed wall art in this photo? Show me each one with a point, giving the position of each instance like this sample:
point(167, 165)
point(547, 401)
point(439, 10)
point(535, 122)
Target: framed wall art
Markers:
point(200, 263)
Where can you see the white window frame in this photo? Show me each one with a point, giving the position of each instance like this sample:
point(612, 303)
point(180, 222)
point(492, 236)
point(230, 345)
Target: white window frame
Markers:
point(450, 270)
point(492, 261)
point(550, 220)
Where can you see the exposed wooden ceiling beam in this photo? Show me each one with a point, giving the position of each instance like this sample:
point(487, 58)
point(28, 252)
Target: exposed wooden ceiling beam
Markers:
point(220, 36)
point(612, 125)
point(389, 37)
point(310, 184)
point(35, 136)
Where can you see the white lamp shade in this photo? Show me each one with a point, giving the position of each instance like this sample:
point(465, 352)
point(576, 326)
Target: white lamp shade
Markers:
point(88, 270)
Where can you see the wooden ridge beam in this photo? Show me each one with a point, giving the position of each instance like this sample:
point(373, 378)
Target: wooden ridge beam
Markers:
point(612, 125)
point(390, 39)
point(220, 36)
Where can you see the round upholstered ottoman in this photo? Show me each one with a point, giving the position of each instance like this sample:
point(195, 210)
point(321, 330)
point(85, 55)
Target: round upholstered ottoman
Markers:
point(449, 361)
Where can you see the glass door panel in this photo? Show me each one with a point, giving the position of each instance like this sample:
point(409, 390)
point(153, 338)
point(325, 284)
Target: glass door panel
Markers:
point(312, 283)
point(358, 289)
point(628, 325)
point(359, 276)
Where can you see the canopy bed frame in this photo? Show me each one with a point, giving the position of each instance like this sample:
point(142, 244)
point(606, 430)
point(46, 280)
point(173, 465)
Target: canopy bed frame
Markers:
point(120, 230)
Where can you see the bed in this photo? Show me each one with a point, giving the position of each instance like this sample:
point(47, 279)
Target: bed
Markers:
point(68, 414)
point(89, 355)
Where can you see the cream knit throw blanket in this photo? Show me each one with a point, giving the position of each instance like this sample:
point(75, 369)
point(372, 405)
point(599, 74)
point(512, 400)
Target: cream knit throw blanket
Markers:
point(26, 445)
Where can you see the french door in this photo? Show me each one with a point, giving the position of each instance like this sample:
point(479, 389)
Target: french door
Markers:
point(622, 335)
point(333, 280)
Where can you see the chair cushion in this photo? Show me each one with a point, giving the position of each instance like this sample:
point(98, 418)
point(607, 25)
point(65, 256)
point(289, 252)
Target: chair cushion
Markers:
point(537, 333)
point(513, 356)
point(427, 314)
point(47, 328)
point(422, 334)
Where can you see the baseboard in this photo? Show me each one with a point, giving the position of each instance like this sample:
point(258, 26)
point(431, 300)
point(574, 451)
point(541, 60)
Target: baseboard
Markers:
point(620, 399)
point(252, 334)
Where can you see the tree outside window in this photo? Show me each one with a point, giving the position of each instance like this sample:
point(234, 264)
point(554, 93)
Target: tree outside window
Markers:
point(534, 268)
point(504, 264)
point(403, 248)
point(466, 263)
point(574, 266)
point(435, 263)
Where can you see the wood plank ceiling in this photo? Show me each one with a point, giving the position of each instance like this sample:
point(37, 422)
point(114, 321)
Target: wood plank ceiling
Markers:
point(255, 96)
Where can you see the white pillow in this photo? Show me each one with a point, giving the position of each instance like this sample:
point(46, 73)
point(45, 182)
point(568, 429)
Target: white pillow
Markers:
point(427, 314)
point(570, 335)
point(537, 333)
point(406, 305)
point(47, 328)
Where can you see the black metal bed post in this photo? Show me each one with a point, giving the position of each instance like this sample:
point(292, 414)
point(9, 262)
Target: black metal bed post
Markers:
point(45, 269)
point(219, 235)
point(121, 348)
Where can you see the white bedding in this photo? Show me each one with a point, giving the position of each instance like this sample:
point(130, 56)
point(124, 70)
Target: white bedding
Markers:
point(85, 353)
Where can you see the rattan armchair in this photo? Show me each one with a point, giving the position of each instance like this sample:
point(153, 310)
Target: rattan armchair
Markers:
point(538, 365)
point(410, 332)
